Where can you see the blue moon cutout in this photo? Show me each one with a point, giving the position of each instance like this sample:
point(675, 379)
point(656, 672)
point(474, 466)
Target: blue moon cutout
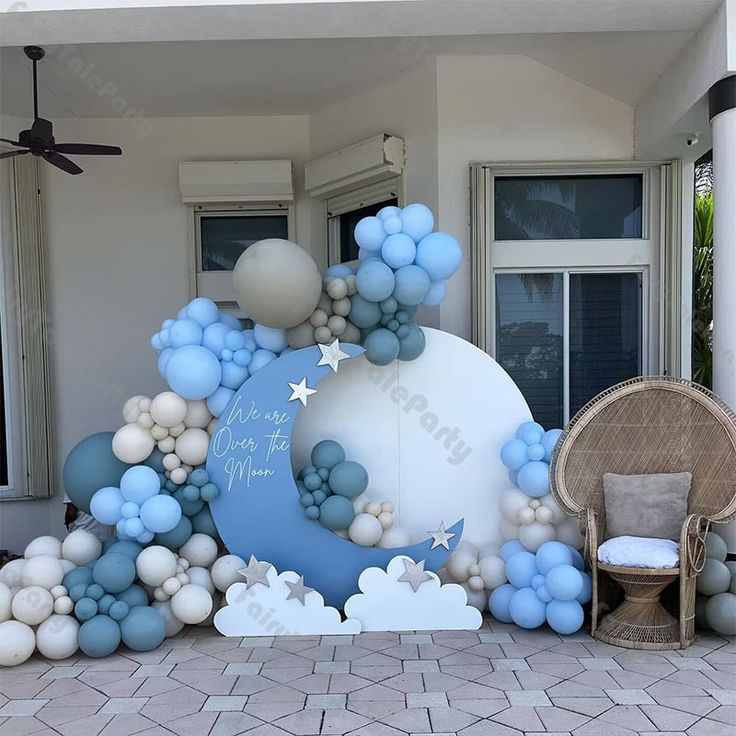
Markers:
point(258, 510)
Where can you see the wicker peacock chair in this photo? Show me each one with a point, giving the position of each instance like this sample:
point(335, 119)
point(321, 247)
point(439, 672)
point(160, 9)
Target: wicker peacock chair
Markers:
point(647, 425)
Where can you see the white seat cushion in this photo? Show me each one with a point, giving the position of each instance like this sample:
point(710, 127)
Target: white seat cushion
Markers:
point(639, 552)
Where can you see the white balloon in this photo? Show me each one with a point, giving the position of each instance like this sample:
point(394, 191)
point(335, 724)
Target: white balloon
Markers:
point(468, 547)
point(167, 445)
point(177, 429)
point(56, 637)
point(131, 412)
point(493, 571)
point(476, 584)
point(63, 605)
point(512, 503)
point(155, 564)
point(81, 547)
point(192, 604)
point(458, 563)
point(171, 461)
point(534, 535)
point(476, 598)
point(173, 625)
point(145, 420)
point(32, 605)
point(191, 446)
point(568, 532)
point(17, 643)
point(199, 550)
point(43, 570)
point(212, 426)
point(198, 415)
point(526, 516)
point(508, 530)
point(168, 409)
point(225, 571)
point(12, 572)
point(6, 598)
point(58, 591)
point(394, 537)
point(201, 576)
point(132, 444)
point(544, 514)
point(66, 565)
point(365, 530)
point(170, 586)
point(46, 545)
point(386, 518)
point(144, 403)
point(558, 514)
point(160, 433)
point(217, 599)
point(179, 476)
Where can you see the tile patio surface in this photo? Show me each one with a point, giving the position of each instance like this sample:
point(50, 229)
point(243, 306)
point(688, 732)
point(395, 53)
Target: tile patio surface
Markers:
point(498, 681)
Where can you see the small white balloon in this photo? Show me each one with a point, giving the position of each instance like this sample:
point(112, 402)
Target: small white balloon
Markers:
point(132, 444)
point(373, 508)
point(386, 519)
point(56, 637)
point(167, 445)
point(526, 516)
point(159, 433)
point(212, 426)
point(493, 571)
point(225, 571)
point(183, 578)
point(168, 409)
point(159, 594)
point(474, 570)
point(177, 429)
point(388, 507)
point(32, 605)
point(145, 420)
point(17, 643)
point(476, 584)
point(131, 412)
point(6, 598)
point(544, 514)
point(192, 604)
point(458, 564)
point(199, 550)
point(192, 445)
point(558, 515)
point(144, 404)
point(365, 530)
point(336, 288)
point(46, 545)
point(81, 547)
point(58, 591)
point(171, 461)
point(179, 476)
point(173, 625)
point(63, 605)
point(43, 570)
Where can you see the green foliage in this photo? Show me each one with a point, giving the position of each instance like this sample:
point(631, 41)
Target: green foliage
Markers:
point(703, 291)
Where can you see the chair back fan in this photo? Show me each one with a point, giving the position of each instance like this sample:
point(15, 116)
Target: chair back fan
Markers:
point(651, 424)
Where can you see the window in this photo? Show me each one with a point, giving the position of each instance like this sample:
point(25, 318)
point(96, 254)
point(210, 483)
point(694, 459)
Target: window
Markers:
point(567, 292)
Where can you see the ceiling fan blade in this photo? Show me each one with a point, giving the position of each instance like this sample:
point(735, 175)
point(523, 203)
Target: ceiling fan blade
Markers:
point(12, 143)
point(92, 149)
point(13, 153)
point(62, 162)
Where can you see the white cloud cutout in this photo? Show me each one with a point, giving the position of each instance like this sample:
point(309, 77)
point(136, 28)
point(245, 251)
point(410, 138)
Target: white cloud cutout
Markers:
point(386, 604)
point(265, 611)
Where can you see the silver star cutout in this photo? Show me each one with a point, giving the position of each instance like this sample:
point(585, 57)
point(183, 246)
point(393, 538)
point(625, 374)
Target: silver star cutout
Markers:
point(300, 391)
point(332, 355)
point(441, 538)
point(414, 574)
point(298, 590)
point(255, 573)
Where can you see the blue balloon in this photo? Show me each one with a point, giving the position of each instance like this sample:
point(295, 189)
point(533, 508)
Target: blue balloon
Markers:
point(234, 375)
point(78, 576)
point(78, 591)
point(327, 454)
point(193, 372)
point(143, 629)
point(498, 602)
point(549, 440)
point(188, 508)
point(565, 617)
point(119, 610)
point(533, 479)
point(129, 510)
point(398, 250)
point(134, 527)
point(526, 609)
point(412, 285)
point(436, 294)
point(348, 479)
point(392, 224)
point(513, 454)
point(381, 346)
point(144, 537)
point(214, 337)
point(586, 593)
point(231, 321)
point(374, 280)
point(209, 492)
point(364, 314)
point(198, 477)
point(270, 338)
point(160, 514)
point(139, 484)
point(203, 523)
point(260, 359)
point(440, 255)
point(185, 332)
point(577, 559)
point(235, 339)
point(537, 581)
point(551, 554)
point(217, 403)
point(99, 637)
point(242, 357)
point(85, 608)
point(103, 605)
point(521, 568)
point(106, 504)
point(133, 596)
point(369, 233)
point(114, 572)
point(336, 513)
point(543, 594)
point(412, 345)
point(176, 537)
point(95, 591)
point(535, 452)
point(388, 211)
point(91, 465)
point(203, 311)
point(510, 548)
point(564, 582)
point(128, 548)
point(163, 360)
point(526, 427)
point(417, 221)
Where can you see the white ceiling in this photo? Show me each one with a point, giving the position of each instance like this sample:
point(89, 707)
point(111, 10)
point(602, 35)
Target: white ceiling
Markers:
point(214, 78)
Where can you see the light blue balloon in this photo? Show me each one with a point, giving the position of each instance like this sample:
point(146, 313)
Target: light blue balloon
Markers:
point(526, 610)
point(106, 504)
point(577, 559)
point(327, 454)
point(139, 484)
point(412, 345)
point(537, 581)
point(398, 250)
point(513, 454)
point(114, 572)
point(134, 595)
point(193, 372)
point(535, 452)
point(392, 224)
point(364, 314)
point(143, 629)
point(214, 337)
point(549, 440)
point(235, 339)
point(521, 568)
point(586, 594)
point(440, 255)
point(498, 602)
point(348, 479)
point(565, 617)
point(156, 342)
point(369, 233)
point(234, 375)
point(129, 549)
point(564, 582)
point(203, 523)
point(551, 554)
point(338, 271)
point(145, 537)
point(129, 510)
point(203, 311)
point(185, 332)
point(120, 529)
point(543, 594)
point(219, 400)
point(176, 537)
point(85, 609)
point(99, 637)
point(336, 513)
point(160, 514)
point(231, 321)
point(417, 221)
point(270, 338)
point(436, 294)
point(389, 211)
point(381, 346)
point(412, 285)
point(163, 361)
point(261, 358)
point(374, 280)
point(510, 548)
point(526, 427)
point(533, 479)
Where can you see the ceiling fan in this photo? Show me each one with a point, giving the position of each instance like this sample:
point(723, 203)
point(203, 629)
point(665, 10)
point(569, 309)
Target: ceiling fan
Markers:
point(39, 139)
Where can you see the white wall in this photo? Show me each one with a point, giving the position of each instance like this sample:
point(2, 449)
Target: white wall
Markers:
point(117, 264)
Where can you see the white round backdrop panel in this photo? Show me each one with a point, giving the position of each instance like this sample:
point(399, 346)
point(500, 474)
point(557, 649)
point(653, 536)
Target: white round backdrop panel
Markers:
point(428, 431)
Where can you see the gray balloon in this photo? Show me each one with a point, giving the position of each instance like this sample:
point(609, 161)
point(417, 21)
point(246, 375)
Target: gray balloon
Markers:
point(715, 578)
point(277, 283)
point(715, 547)
point(721, 613)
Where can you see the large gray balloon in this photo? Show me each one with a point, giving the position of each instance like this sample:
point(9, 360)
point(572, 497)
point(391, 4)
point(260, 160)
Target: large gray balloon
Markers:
point(277, 283)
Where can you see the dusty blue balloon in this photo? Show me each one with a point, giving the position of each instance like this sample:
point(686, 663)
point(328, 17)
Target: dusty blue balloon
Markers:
point(143, 629)
point(177, 536)
point(348, 479)
point(436, 294)
point(185, 332)
point(715, 547)
point(533, 479)
point(219, 400)
point(188, 508)
point(209, 492)
point(551, 554)
point(78, 576)
point(203, 523)
point(203, 311)
point(114, 572)
point(134, 595)
point(374, 281)
point(119, 610)
point(715, 578)
point(139, 484)
point(99, 637)
point(526, 609)
point(364, 314)
point(513, 454)
point(440, 255)
point(160, 514)
point(412, 345)
point(127, 548)
point(510, 548)
point(565, 617)
point(85, 608)
point(381, 346)
point(549, 440)
point(412, 285)
point(106, 504)
point(78, 591)
point(398, 250)
point(91, 465)
point(521, 568)
point(336, 512)
point(95, 591)
point(103, 605)
point(198, 477)
point(327, 454)
point(369, 233)
point(564, 582)
point(270, 338)
point(193, 372)
point(498, 602)
point(417, 221)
